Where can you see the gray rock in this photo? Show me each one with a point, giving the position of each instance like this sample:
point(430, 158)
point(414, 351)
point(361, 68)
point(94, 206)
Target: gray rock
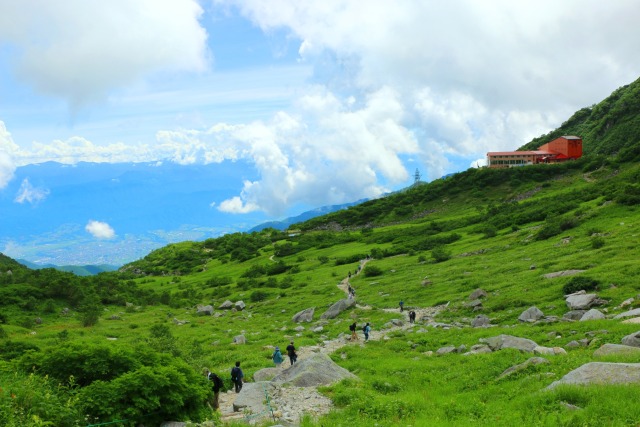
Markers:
point(446, 350)
point(239, 339)
point(251, 397)
point(580, 301)
point(531, 315)
point(318, 329)
point(549, 351)
point(204, 310)
point(266, 374)
point(524, 365)
point(227, 305)
point(508, 341)
point(608, 349)
point(304, 315)
point(474, 303)
point(574, 314)
point(299, 328)
point(477, 294)
point(38, 320)
point(397, 322)
point(239, 305)
point(630, 313)
point(173, 424)
point(315, 370)
point(338, 308)
point(632, 340)
point(573, 344)
point(115, 317)
point(601, 373)
point(592, 314)
point(562, 273)
point(478, 349)
point(481, 321)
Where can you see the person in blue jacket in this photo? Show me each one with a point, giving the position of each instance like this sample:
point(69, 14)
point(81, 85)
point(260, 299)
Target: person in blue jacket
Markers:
point(277, 357)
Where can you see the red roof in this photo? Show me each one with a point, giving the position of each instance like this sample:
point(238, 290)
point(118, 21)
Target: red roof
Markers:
point(511, 153)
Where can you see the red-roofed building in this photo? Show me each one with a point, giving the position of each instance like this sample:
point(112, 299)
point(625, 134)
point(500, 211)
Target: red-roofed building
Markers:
point(558, 150)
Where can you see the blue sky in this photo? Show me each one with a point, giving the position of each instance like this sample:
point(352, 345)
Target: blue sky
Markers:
point(326, 101)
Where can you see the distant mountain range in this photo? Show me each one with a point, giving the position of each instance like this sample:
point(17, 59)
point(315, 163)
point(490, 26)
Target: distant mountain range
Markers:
point(78, 270)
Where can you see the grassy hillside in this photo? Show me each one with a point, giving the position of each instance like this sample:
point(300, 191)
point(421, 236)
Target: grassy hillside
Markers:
point(609, 127)
point(499, 230)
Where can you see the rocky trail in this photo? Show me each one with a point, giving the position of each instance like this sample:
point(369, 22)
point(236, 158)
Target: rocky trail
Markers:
point(290, 403)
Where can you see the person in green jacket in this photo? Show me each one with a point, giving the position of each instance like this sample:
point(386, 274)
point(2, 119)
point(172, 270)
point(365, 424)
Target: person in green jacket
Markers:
point(277, 357)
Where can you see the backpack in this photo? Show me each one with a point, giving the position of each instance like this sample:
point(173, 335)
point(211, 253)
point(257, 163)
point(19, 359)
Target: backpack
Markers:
point(218, 384)
point(234, 374)
point(352, 327)
point(364, 328)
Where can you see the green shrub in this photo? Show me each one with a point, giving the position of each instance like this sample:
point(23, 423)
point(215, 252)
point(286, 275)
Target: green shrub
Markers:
point(372, 271)
point(597, 242)
point(440, 254)
point(580, 283)
point(257, 296)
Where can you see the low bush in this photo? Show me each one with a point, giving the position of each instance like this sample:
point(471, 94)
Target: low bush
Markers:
point(580, 283)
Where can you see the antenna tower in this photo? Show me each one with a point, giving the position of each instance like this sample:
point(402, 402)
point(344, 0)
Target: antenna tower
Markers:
point(416, 176)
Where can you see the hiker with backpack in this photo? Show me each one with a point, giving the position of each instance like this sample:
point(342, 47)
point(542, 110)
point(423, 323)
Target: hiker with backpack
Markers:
point(237, 376)
point(366, 329)
point(412, 316)
point(277, 357)
point(352, 328)
point(216, 386)
point(291, 352)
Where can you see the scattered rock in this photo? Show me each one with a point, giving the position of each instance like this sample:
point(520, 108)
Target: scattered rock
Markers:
point(304, 315)
point(481, 321)
point(251, 397)
point(115, 317)
point(627, 302)
point(580, 301)
point(318, 329)
point(633, 320)
point(524, 365)
point(574, 314)
point(632, 340)
point(508, 341)
point(446, 350)
point(477, 294)
point(338, 308)
point(630, 313)
point(592, 314)
point(239, 305)
point(531, 315)
point(475, 303)
point(562, 273)
point(204, 310)
point(239, 339)
point(266, 374)
point(227, 305)
point(608, 349)
point(549, 351)
point(299, 328)
point(601, 373)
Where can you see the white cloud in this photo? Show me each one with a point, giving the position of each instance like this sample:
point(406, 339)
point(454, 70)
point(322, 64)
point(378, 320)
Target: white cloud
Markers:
point(7, 165)
point(80, 50)
point(29, 193)
point(100, 230)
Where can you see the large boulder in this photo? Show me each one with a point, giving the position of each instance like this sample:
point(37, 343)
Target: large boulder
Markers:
point(266, 374)
point(250, 400)
point(601, 373)
point(508, 341)
point(531, 314)
point(608, 349)
point(630, 313)
point(239, 305)
point(304, 315)
point(338, 308)
point(315, 370)
point(592, 314)
point(632, 340)
point(204, 310)
point(580, 301)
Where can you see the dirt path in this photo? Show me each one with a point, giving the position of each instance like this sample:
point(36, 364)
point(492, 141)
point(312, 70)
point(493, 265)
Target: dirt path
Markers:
point(307, 399)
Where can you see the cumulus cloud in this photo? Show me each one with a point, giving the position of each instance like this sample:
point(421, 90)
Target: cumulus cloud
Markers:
point(7, 148)
point(79, 50)
point(29, 193)
point(100, 230)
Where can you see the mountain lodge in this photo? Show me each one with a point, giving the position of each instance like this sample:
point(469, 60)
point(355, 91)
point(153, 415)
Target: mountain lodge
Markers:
point(558, 150)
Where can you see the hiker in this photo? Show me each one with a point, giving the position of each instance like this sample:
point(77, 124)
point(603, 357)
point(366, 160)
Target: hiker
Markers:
point(401, 306)
point(217, 385)
point(237, 376)
point(352, 328)
point(277, 357)
point(291, 352)
point(366, 329)
point(412, 316)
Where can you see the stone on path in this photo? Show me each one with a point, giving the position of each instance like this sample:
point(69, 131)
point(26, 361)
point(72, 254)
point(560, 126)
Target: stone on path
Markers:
point(252, 396)
point(266, 374)
point(316, 370)
point(601, 373)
